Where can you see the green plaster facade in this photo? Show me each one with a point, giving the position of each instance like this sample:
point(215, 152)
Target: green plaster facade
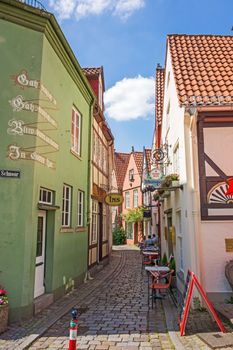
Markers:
point(40, 83)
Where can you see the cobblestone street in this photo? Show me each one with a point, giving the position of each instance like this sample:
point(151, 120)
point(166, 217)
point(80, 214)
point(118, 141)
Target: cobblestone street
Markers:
point(114, 314)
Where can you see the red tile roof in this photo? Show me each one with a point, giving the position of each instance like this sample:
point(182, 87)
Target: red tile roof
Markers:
point(159, 93)
point(92, 71)
point(138, 158)
point(203, 68)
point(121, 164)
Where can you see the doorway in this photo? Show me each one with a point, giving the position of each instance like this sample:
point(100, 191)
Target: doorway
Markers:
point(100, 248)
point(39, 287)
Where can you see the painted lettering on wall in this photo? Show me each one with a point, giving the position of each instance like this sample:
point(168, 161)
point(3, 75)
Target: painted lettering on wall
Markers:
point(23, 80)
point(16, 153)
point(18, 127)
point(18, 104)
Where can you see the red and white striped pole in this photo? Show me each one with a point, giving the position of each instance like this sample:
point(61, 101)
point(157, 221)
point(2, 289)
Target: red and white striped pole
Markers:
point(73, 330)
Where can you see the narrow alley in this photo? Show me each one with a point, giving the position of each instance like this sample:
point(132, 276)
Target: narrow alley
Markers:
point(114, 314)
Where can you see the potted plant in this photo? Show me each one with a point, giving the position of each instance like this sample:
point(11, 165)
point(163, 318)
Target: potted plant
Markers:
point(175, 180)
point(172, 266)
point(3, 310)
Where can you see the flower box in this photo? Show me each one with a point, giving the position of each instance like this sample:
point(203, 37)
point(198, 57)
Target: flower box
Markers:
point(175, 183)
point(4, 311)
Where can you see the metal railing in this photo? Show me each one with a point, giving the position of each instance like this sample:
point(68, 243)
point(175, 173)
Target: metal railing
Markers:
point(33, 3)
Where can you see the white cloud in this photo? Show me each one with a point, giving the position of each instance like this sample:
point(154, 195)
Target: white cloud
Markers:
point(89, 7)
point(125, 8)
point(64, 8)
point(83, 8)
point(130, 98)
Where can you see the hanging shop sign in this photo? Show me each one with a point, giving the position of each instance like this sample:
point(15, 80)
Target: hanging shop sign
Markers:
point(14, 174)
point(152, 182)
point(147, 214)
point(114, 199)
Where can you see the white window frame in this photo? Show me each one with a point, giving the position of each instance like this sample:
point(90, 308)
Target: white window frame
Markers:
point(127, 226)
point(66, 197)
point(95, 221)
point(76, 125)
point(131, 175)
point(180, 239)
point(127, 200)
point(44, 192)
point(80, 213)
point(135, 198)
point(176, 159)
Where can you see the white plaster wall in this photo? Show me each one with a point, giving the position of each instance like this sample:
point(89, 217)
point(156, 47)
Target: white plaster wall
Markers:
point(218, 146)
point(179, 132)
point(215, 256)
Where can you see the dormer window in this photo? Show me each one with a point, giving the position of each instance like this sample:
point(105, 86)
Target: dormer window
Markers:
point(131, 175)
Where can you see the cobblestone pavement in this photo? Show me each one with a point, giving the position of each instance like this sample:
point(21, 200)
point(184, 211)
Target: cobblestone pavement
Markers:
point(114, 315)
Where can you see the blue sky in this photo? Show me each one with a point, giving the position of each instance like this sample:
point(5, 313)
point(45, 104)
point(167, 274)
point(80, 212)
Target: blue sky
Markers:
point(128, 38)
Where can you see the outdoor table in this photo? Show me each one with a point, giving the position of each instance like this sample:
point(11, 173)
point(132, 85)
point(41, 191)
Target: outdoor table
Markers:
point(150, 255)
point(150, 270)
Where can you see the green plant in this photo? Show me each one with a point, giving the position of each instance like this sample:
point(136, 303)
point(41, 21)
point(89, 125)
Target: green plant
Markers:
point(169, 178)
point(172, 266)
point(134, 215)
point(164, 259)
point(3, 297)
point(229, 301)
point(119, 236)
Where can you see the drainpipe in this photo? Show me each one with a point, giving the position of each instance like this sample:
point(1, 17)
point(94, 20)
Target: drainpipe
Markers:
point(193, 191)
point(89, 182)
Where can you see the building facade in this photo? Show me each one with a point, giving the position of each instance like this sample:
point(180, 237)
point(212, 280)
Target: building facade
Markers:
point(46, 113)
point(196, 219)
point(102, 167)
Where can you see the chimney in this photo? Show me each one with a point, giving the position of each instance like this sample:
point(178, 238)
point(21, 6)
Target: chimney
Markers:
point(132, 149)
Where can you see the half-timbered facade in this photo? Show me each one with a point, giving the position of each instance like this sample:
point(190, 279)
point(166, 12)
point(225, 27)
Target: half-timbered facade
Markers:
point(197, 128)
point(102, 166)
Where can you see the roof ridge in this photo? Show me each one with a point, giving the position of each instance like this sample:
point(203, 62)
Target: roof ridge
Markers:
point(214, 35)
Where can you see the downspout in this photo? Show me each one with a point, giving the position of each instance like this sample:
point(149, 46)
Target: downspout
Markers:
point(189, 118)
point(89, 183)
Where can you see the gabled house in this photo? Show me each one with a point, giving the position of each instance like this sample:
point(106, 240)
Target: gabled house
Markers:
point(197, 219)
point(102, 167)
point(121, 165)
point(46, 105)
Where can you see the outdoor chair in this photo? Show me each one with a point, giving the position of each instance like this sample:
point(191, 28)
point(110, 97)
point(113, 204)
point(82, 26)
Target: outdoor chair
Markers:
point(160, 282)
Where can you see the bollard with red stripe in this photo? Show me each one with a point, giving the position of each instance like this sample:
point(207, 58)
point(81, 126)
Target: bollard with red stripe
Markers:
point(73, 329)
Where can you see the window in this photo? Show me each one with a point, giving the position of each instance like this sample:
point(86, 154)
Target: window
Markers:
point(95, 221)
point(80, 208)
point(129, 230)
point(66, 206)
point(131, 175)
point(127, 200)
point(46, 196)
point(168, 115)
point(147, 226)
point(176, 163)
point(146, 199)
point(76, 131)
point(104, 222)
point(135, 198)
point(168, 79)
point(180, 240)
